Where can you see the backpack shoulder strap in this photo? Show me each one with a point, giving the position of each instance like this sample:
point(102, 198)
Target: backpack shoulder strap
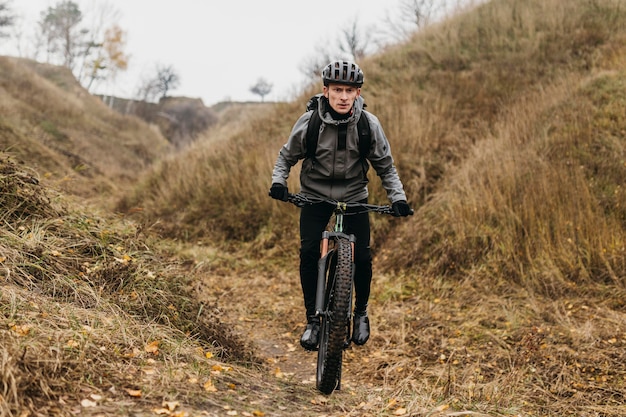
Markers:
point(312, 134)
point(365, 136)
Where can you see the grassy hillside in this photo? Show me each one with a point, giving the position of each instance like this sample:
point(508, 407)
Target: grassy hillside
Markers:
point(502, 296)
point(68, 136)
point(485, 79)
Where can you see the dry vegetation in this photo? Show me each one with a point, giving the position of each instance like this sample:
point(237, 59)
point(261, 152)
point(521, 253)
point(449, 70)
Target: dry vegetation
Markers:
point(68, 136)
point(503, 296)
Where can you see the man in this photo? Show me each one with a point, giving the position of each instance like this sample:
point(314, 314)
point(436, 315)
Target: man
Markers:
point(337, 170)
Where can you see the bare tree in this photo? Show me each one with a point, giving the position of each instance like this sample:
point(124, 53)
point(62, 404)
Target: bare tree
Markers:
point(6, 18)
point(354, 41)
point(412, 15)
point(153, 88)
point(166, 79)
point(351, 43)
point(312, 66)
point(148, 90)
point(261, 88)
point(418, 12)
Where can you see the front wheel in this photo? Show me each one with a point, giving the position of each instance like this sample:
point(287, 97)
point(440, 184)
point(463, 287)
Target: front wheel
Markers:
point(336, 320)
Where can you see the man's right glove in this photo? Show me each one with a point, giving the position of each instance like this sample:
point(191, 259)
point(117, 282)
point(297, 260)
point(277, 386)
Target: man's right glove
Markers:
point(401, 209)
point(279, 192)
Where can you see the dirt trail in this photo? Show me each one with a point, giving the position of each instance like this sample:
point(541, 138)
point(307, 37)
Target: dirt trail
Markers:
point(292, 362)
point(268, 311)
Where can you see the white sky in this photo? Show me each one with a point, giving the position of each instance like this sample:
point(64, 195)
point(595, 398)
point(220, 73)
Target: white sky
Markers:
point(219, 48)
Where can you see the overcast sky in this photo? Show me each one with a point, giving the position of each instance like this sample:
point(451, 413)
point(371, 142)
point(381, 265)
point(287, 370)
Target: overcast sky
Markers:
point(220, 48)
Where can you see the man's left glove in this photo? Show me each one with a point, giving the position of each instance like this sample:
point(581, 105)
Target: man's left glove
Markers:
point(401, 209)
point(279, 192)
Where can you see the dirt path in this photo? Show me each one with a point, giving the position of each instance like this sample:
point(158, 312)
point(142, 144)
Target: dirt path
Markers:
point(268, 311)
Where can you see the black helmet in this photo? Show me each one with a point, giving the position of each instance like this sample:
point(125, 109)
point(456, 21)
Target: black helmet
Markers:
point(342, 72)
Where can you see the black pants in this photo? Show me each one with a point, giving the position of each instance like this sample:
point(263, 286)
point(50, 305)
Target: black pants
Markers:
point(313, 221)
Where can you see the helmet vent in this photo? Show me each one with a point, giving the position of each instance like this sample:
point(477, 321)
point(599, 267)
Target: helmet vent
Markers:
point(343, 72)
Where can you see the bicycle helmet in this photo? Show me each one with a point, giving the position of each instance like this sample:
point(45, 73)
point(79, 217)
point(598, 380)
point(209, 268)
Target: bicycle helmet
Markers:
point(343, 72)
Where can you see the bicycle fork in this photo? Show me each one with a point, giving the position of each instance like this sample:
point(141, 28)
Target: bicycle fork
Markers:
point(322, 267)
point(323, 282)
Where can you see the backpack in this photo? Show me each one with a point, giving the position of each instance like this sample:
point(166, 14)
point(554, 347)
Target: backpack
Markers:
point(312, 133)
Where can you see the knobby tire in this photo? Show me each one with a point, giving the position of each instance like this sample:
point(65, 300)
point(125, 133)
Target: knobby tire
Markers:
point(335, 325)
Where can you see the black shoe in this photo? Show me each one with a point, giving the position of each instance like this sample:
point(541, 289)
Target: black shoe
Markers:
point(310, 337)
point(360, 328)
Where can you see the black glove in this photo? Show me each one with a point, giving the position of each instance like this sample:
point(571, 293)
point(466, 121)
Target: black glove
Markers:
point(279, 192)
point(401, 209)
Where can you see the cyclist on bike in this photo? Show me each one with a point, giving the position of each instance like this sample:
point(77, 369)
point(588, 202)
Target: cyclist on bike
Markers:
point(338, 172)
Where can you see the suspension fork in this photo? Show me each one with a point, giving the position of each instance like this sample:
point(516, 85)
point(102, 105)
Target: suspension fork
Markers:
point(321, 275)
point(322, 266)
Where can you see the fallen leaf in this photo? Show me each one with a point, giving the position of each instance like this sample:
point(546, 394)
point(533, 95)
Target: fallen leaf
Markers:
point(134, 392)
point(209, 387)
point(21, 330)
point(399, 412)
point(170, 405)
point(152, 347)
point(257, 413)
point(71, 343)
point(88, 403)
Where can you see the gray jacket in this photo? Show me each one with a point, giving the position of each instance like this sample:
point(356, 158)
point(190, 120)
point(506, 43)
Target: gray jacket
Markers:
point(338, 174)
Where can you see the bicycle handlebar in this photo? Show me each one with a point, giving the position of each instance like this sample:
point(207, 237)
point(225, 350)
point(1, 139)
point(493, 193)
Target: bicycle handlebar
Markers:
point(300, 200)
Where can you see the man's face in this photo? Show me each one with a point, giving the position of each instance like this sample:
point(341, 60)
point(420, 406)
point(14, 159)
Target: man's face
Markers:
point(341, 97)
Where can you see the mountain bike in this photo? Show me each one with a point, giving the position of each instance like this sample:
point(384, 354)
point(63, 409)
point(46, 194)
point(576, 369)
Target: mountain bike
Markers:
point(334, 295)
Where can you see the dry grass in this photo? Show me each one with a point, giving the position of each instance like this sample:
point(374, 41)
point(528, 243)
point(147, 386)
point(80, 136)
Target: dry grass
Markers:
point(502, 296)
point(84, 297)
point(70, 137)
point(508, 132)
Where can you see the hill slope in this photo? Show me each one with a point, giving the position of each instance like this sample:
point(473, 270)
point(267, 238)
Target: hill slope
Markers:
point(503, 296)
point(506, 124)
point(50, 122)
